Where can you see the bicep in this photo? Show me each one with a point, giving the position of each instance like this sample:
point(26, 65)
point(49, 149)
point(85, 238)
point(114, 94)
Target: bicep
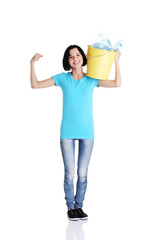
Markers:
point(46, 83)
point(106, 83)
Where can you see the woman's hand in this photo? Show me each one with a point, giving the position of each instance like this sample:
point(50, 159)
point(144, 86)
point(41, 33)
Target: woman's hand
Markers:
point(118, 55)
point(87, 56)
point(36, 57)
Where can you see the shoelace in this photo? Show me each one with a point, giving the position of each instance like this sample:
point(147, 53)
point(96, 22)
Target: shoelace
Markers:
point(80, 210)
point(72, 211)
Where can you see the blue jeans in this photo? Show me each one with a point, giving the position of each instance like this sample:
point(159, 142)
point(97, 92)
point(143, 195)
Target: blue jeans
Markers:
point(85, 147)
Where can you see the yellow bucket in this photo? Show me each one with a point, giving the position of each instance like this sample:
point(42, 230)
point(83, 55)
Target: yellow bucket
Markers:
point(100, 63)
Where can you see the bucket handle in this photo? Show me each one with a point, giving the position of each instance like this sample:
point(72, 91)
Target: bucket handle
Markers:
point(102, 54)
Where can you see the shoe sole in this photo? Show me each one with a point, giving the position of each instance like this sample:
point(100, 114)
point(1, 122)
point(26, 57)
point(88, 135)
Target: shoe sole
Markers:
point(85, 218)
point(73, 219)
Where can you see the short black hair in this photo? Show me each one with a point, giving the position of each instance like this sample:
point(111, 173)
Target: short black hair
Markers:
point(66, 65)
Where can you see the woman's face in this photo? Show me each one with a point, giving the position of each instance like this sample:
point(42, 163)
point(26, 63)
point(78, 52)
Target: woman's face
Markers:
point(75, 58)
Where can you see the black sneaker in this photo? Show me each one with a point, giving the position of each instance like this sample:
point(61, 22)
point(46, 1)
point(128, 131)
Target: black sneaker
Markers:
point(81, 214)
point(72, 215)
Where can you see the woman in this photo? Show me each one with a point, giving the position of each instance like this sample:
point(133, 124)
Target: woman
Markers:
point(77, 121)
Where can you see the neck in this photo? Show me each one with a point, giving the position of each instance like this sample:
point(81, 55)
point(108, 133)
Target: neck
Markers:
point(77, 73)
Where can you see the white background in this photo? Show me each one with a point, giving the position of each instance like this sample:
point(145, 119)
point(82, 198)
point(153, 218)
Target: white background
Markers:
point(122, 198)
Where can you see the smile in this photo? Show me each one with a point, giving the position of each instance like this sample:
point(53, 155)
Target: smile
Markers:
point(76, 62)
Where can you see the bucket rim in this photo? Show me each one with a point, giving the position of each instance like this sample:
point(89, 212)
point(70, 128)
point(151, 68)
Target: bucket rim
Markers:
point(101, 50)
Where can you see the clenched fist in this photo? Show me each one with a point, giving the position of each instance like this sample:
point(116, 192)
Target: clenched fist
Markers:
point(36, 57)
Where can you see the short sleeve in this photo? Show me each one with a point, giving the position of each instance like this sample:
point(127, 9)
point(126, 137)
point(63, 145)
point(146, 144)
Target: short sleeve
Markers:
point(58, 79)
point(95, 81)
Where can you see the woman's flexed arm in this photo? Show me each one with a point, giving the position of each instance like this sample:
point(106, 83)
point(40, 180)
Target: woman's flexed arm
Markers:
point(33, 77)
point(34, 82)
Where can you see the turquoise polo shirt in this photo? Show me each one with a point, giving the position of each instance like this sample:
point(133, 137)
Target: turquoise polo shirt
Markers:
point(77, 118)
